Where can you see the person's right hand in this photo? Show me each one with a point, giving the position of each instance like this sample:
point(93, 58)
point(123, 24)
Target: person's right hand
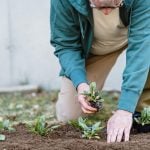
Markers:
point(86, 108)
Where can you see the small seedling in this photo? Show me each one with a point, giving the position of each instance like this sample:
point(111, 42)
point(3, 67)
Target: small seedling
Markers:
point(88, 131)
point(93, 96)
point(6, 125)
point(40, 126)
point(144, 119)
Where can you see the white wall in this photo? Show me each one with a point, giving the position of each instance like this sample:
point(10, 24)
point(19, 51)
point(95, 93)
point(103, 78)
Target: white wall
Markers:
point(26, 55)
point(114, 79)
point(4, 53)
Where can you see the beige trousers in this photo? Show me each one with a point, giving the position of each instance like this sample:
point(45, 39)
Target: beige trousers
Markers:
point(98, 68)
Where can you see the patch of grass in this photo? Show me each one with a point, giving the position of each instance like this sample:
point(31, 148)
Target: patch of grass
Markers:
point(24, 108)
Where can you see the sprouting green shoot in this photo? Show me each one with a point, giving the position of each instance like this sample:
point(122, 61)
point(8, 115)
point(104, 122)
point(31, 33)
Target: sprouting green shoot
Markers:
point(93, 94)
point(6, 125)
point(88, 131)
point(40, 126)
point(144, 119)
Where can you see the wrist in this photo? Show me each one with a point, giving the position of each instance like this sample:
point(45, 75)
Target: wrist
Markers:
point(82, 87)
point(124, 112)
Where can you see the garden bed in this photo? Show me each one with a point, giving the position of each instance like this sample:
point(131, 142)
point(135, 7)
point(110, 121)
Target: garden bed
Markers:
point(67, 137)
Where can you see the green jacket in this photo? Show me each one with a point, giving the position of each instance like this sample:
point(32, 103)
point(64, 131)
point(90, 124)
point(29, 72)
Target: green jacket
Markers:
point(72, 35)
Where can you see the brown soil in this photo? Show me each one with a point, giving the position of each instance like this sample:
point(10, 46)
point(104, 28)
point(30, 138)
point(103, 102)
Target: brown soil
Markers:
point(68, 138)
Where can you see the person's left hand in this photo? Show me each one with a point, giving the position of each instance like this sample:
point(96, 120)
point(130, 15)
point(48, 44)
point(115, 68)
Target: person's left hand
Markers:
point(119, 125)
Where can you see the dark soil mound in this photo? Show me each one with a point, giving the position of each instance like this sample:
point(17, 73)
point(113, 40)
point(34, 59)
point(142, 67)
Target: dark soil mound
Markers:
point(68, 138)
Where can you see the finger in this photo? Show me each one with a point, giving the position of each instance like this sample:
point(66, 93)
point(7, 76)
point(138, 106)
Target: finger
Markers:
point(109, 132)
point(86, 106)
point(127, 134)
point(86, 111)
point(108, 127)
point(120, 135)
point(114, 136)
point(109, 136)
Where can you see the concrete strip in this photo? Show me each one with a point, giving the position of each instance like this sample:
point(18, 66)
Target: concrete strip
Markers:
point(21, 89)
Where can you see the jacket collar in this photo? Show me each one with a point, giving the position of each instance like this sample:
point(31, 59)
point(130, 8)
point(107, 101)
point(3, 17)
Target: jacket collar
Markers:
point(81, 6)
point(128, 3)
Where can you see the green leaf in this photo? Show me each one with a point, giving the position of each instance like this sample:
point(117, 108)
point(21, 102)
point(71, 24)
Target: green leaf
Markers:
point(145, 117)
point(6, 124)
point(96, 126)
point(92, 87)
point(2, 137)
point(40, 126)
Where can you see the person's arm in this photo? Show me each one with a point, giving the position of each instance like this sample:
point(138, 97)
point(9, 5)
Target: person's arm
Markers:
point(66, 38)
point(135, 74)
point(137, 57)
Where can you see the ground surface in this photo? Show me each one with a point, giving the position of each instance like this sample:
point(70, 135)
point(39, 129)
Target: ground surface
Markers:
point(19, 107)
point(25, 108)
point(68, 138)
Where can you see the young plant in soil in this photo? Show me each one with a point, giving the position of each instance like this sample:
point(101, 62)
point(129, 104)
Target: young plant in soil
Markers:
point(5, 125)
point(143, 122)
point(88, 131)
point(40, 126)
point(93, 96)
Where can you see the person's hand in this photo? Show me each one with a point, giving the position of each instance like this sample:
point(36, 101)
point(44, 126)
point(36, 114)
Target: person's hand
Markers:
point(119, 125)
point(86, 108)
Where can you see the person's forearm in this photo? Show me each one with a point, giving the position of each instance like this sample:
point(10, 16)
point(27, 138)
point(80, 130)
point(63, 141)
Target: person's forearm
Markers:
point(138, 53)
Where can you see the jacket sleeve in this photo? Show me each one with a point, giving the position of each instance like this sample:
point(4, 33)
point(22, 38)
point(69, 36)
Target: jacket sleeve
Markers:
point(137, 56)
point(66, 38)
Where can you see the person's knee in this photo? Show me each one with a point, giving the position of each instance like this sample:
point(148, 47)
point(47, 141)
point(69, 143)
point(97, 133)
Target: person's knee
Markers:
point(67, 106)
point(65, 114)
